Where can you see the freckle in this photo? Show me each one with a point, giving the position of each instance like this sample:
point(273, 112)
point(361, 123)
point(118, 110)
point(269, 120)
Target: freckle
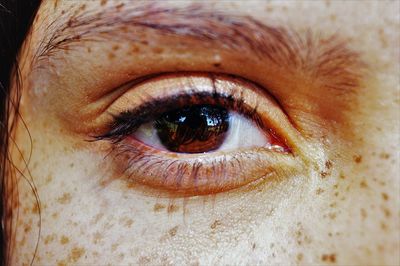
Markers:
point(134, 49)
point(329, 257)
point(158, 207)
point(328, 164)
point(382, 38)
point(328, 3)
point(54, 215)
point(269, 9)
point(111, 55)
point(172, 231)
point(144, 260)
point(27, 228)
point(363, 213)
point(128, 223)
point(332, 205)
point(71, 165)
point(332, 216)
point(357, 158)
point(66, 198)
point(158, 50)
point(115, 47)
point(62, 12)
point(253, 247)
point(319, 191)
point(119, 6)
point(49, 238)
point(130, 185)
point(103, 2)
point(299, 257)
point(383, 226)
point(23, 241)
point(97, 237)
point(385, 196)
point(323, 174)
point(64, 240)
point(61, 263)
point(76, 253)
point(384, 156)
point(342, 176)
point(114, 247)
point(386, 212)
point(89, 50)
point(97, 218)
point(35, 209)
point(83, 7)
point(172, 208)
point(124, 29)
point(363, 184)
point(215, 224)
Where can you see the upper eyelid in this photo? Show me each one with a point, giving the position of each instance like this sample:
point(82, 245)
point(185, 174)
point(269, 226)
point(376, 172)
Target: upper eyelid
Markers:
point(327, 58)
point(275, 119)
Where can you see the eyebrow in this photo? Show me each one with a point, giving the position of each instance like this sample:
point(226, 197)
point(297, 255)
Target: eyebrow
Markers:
point(323, 57)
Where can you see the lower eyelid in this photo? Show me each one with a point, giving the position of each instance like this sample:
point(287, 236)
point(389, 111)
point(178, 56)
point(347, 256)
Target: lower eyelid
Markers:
point(187, 175)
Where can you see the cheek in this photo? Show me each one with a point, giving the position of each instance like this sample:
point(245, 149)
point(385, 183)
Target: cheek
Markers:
point(52, 194)
point(85, 210)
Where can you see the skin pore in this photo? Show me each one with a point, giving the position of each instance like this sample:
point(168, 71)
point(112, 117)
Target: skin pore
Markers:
point(332, 85)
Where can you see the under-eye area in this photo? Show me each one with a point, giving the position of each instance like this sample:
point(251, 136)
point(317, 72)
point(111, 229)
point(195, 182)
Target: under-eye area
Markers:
point(199, 133)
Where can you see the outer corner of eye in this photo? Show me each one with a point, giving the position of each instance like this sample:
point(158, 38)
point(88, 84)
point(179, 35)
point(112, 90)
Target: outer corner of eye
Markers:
point(201, 142)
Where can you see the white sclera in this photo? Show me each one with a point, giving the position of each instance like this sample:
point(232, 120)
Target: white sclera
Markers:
point(242, 133)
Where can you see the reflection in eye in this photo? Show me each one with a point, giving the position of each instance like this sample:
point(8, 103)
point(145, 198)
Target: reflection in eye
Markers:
point(191, 129)
point(193, 134)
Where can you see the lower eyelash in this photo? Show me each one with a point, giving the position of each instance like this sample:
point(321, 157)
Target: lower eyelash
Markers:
point(194, 175)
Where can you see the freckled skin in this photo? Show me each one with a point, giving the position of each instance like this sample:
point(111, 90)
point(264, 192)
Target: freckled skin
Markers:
point(343, 212)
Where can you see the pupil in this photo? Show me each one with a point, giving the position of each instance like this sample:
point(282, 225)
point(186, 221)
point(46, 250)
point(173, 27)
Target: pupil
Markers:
point(193, 129)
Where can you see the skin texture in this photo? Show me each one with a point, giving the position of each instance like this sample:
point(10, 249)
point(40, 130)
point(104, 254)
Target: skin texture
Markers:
point(341, 207)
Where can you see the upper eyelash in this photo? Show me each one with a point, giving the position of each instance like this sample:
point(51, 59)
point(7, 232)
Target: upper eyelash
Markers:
point(126, 123)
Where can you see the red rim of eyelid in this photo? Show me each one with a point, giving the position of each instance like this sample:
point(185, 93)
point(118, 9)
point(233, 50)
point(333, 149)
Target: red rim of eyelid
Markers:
point(276, 140)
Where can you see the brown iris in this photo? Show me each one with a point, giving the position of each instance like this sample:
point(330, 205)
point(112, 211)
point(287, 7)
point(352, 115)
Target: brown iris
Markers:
point(193, 129)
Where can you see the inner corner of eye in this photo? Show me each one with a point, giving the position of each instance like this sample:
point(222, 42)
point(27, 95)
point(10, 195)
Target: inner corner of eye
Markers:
point(200, 129)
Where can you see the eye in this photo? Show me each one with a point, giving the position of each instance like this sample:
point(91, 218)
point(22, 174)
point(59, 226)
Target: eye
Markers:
point(201, 128)
point(194, 134)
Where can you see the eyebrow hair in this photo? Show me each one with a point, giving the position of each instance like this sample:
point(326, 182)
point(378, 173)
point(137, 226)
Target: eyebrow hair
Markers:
point(322, 57)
